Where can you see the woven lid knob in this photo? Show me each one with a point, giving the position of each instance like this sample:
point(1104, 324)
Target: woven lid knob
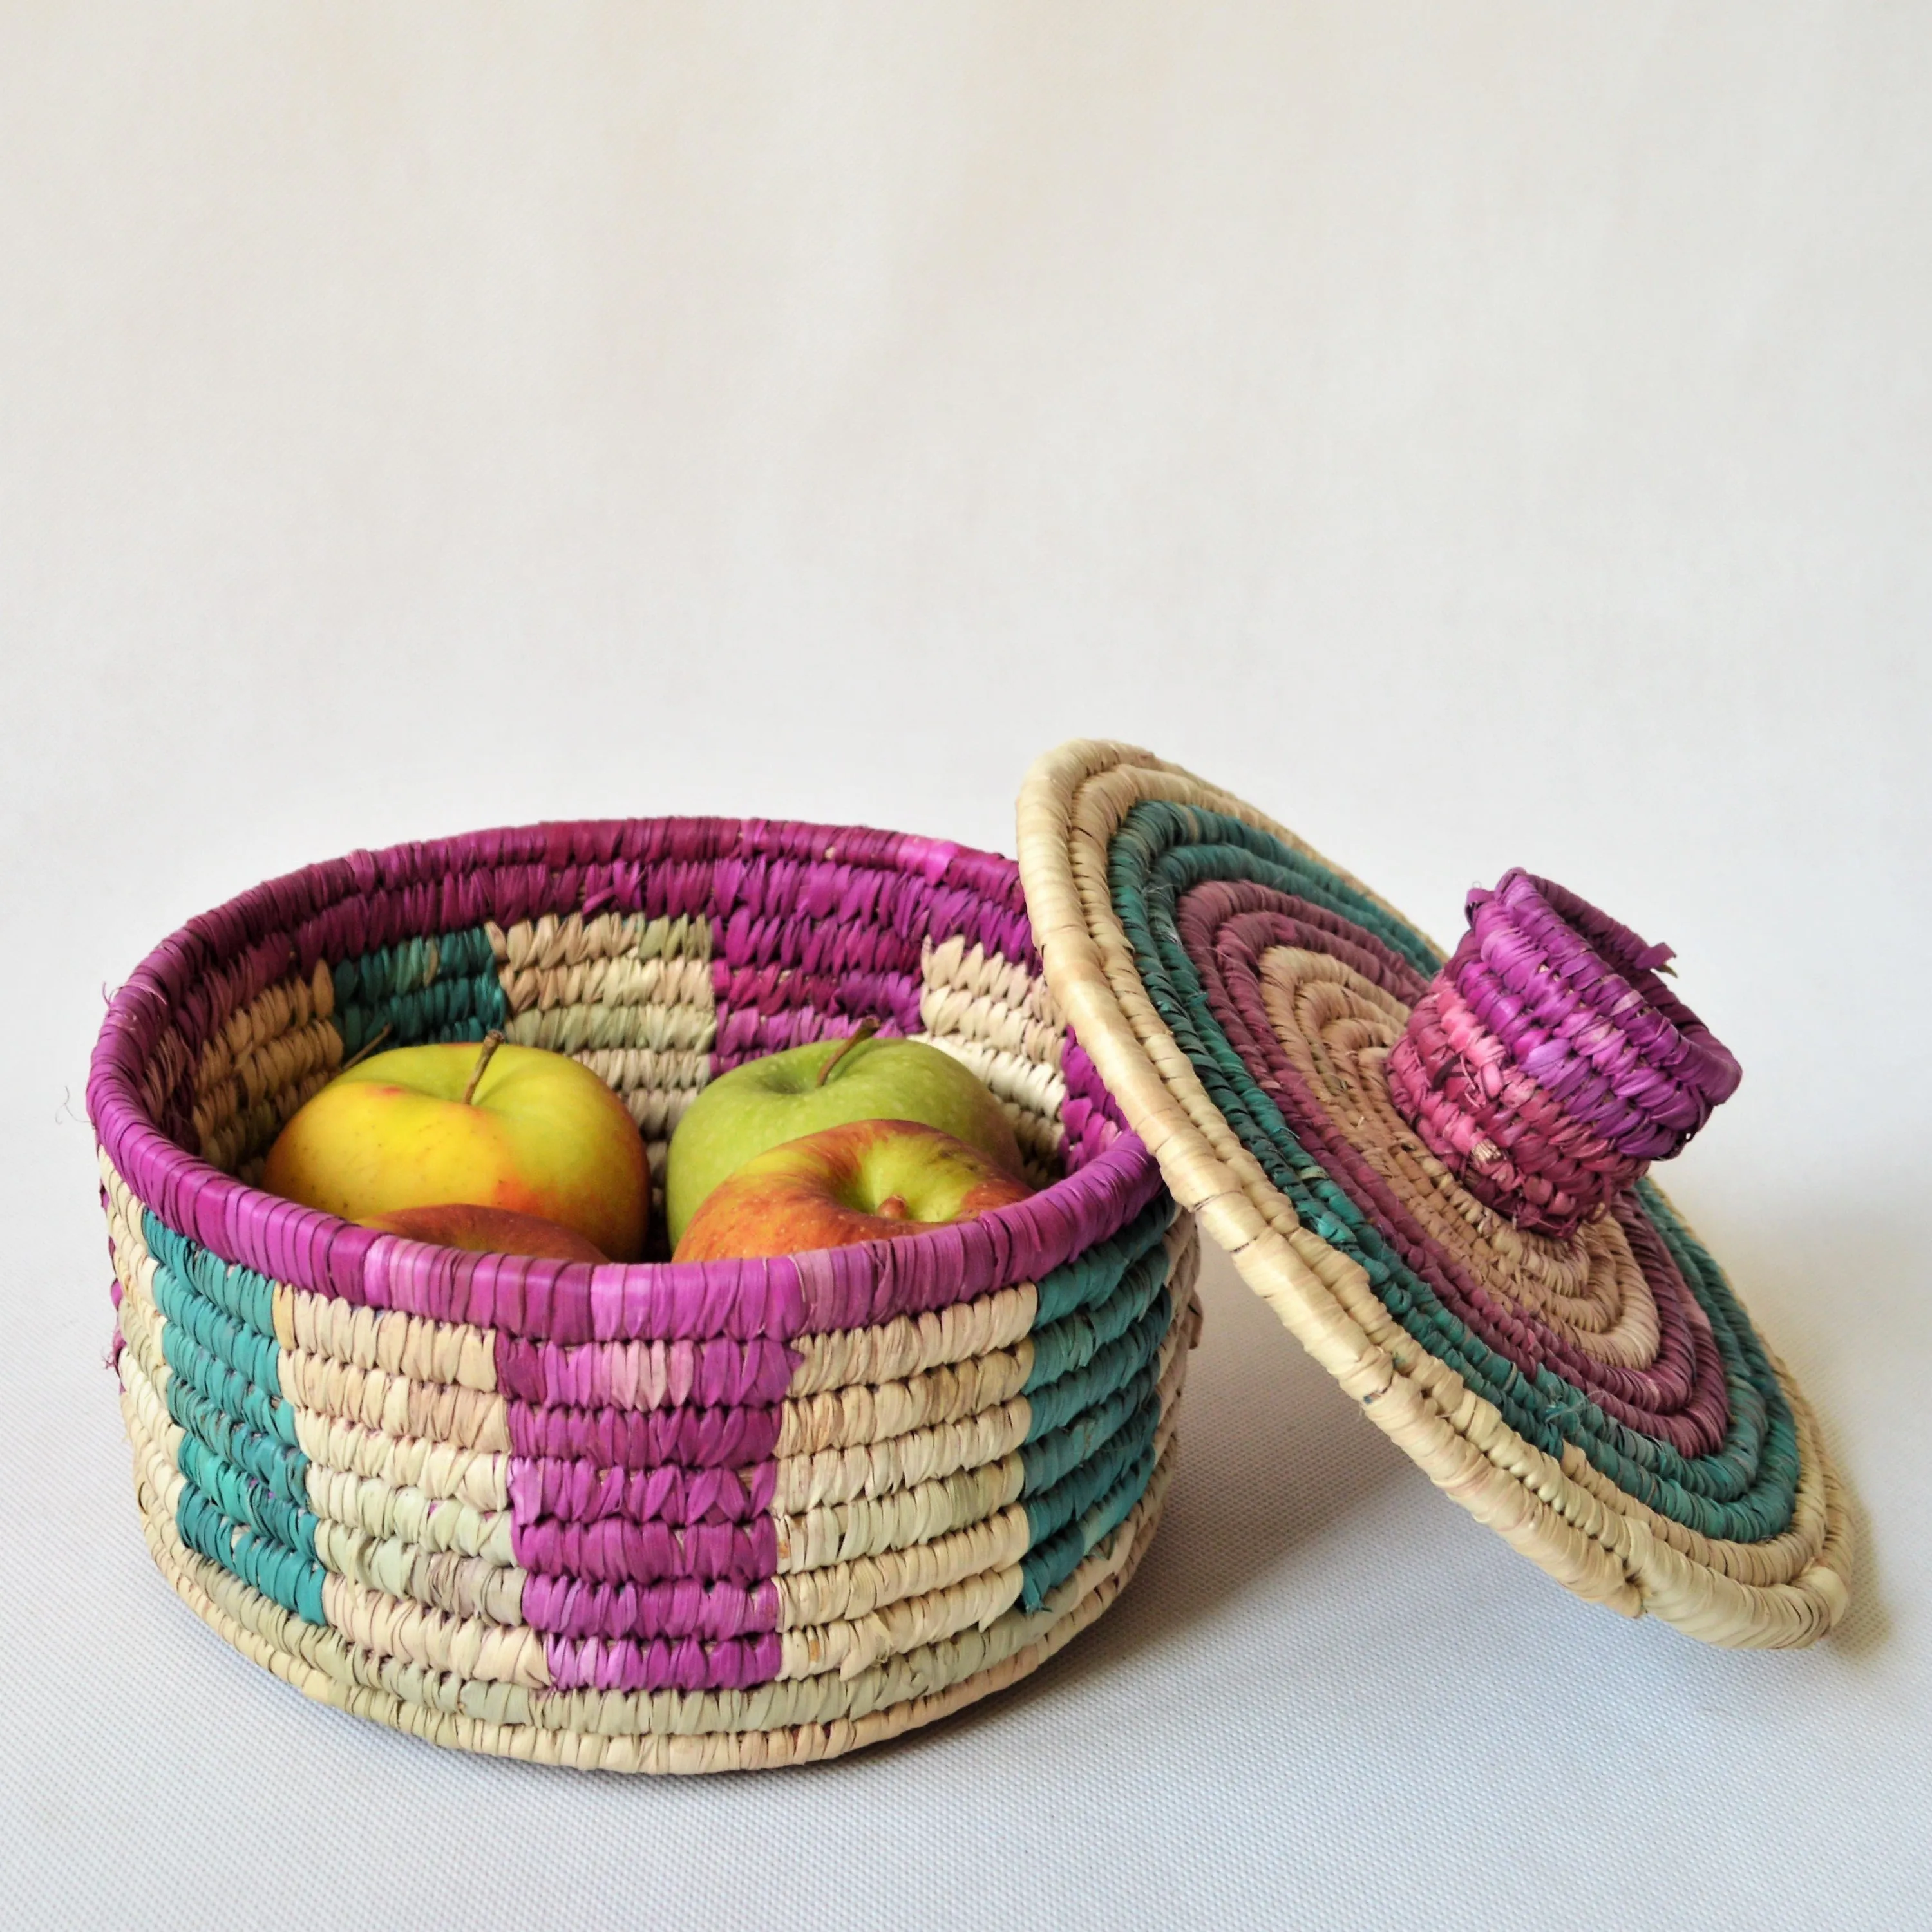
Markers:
point(1547, 1066)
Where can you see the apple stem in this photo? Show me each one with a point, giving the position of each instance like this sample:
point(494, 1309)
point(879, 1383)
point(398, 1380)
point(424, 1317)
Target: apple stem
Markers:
point(492, 1040)
point(367, 1047)
point(863, 1031)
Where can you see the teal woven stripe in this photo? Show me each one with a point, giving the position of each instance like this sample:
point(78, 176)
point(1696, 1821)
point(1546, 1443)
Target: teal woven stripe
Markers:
point(245, 1499)
point(1091, 1275)
point(440, 989)
point(1081, 1486)
point(256, 1358)
point(1097, 1337)
point(1745, 1492)
point(220, 1336)
point(215, 1381)
point(1113, 1368)
point(292, 1581)
point(238, 1291)
point(1050, 1563)
point(1069, 1344)
point(262, 1457)
point(1049, 1461)
point(245, 1482)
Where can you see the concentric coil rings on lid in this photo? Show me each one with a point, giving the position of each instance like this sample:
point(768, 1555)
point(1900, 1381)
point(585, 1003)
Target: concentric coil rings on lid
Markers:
point(1593, 1391)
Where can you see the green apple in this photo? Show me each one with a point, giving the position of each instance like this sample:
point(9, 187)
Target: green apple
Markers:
point(867, 1180)
point(783, 1096)
point(513, 1127)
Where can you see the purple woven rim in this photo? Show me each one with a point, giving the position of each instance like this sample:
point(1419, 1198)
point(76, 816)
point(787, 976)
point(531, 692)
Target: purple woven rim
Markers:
point(221, 960)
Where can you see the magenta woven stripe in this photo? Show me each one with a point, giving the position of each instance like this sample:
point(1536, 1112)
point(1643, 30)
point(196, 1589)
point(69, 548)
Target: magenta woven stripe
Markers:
point(765, 1009)
point(1089, 1118)
point(688, 1663)
point(615, 1549)
point(572, 1607)
point(548, 1491)
point(803, 949)
point(628, 1438)
point(568, 1302)
point(718, 1371)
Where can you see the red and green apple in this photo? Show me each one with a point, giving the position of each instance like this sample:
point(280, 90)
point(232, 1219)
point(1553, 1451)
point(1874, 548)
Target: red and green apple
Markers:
point(863, 1180)
point(784, 1096)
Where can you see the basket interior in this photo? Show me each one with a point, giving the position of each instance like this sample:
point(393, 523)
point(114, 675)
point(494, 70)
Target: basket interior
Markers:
point(658, 953)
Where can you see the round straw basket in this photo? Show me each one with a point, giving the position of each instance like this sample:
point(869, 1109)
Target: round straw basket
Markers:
point(645, 1518)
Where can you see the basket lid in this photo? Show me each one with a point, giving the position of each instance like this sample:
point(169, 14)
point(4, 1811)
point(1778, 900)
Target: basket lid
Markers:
point(1434, 1172)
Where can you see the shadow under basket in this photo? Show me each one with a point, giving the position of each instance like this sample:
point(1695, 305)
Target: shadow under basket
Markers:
point(658, 1517)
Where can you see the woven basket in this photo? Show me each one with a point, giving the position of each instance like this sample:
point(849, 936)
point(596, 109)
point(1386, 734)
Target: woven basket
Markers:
point(646, 1518)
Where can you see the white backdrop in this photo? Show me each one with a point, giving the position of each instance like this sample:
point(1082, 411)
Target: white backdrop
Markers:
point(1481, 434)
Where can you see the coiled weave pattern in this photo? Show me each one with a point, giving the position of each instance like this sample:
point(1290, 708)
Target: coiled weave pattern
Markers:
point(1434, 1182)
point(656, 1517)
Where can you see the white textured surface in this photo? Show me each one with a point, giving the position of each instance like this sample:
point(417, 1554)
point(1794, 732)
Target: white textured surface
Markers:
point(1479, 434)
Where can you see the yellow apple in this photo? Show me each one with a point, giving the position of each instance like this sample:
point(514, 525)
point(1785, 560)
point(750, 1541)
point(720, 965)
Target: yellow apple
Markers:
point(537, 1133)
